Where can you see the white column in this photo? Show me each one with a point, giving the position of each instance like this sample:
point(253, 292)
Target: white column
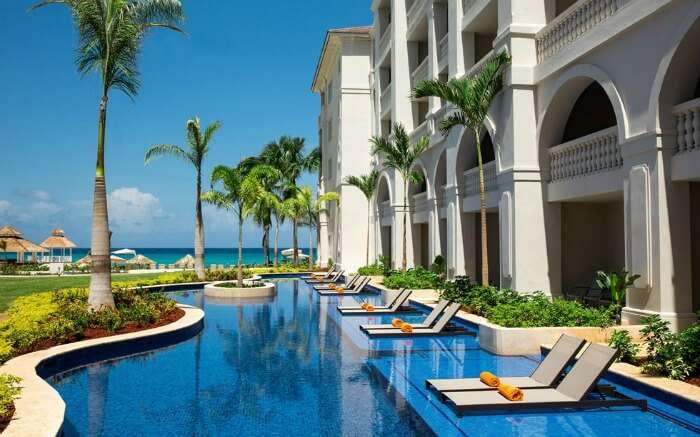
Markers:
point(456, 50)
point(433, 102)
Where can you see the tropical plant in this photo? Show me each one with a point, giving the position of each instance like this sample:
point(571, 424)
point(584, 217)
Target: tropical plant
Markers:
point(110, 35)
point(418, 278)
point(439, 266)
point(616, 283)
point(305, 208)
point(400, 155)
point(367, 184)
point(472, 98)
point(230, 198)
point(627, 351)
point(665, 355)
point(198, 147)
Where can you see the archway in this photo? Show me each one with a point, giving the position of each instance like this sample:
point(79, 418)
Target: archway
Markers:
point(384, 209)
point(419, 218)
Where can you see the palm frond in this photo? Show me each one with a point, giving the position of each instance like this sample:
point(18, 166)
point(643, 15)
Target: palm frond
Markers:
point(454, 119)
point(210, 131)
point(165, 150)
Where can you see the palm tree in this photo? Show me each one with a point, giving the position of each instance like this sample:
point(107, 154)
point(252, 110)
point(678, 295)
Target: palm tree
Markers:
point(110, 35)
point(472, 98)
point(230, 198)
point(287, 156)
point(198, 147)
point(367, 184)
point(400, 155)
point(311, 208)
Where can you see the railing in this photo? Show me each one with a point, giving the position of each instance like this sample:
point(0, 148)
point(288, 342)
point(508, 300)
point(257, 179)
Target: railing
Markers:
point(476, 68)
point(413, 11)
point(594, 153)
point(420, 202)
point(420, 131)
point(385, 208)
point(471, 179)
point(420, 73)
point(573, 23)
point(385, 99)
point(467, 4)
point(54, 259)
point(443, 47)
point(384, 40)
point(687, 126)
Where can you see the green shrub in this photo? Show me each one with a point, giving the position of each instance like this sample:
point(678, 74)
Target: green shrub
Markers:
point(621, 340)
point(539, 311)
point(371, 270)
point(418, 278)
point(9, 391)
point(665, 354)
point(439, 266)
point(689, 341)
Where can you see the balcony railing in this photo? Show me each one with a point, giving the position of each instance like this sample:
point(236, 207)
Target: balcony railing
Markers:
point(476, 68)
point(573, 23)
point(414, 11)
point(384, 40)
point(54, 259)
point(594, 153)
point(471, 179)
point(385, 208)
point(386, 98)
point(443, 47)
point(420, 73)
point(420, 131)
point(420, 202)
point(687, 126)
point(468, 4)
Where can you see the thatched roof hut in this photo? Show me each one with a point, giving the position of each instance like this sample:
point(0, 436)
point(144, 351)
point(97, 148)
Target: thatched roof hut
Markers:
point(58, 240)
point(186, 262)
point(141, 260)
point(11, 241)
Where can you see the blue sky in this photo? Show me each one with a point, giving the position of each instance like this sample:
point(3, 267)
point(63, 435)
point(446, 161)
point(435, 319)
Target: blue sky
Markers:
point(248, 64)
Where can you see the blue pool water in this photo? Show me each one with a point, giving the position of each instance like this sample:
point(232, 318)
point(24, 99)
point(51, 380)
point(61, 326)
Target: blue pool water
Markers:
point(293, 366)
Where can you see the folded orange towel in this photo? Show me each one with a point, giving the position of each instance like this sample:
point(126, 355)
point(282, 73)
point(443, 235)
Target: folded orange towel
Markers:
point(396, 323)
point(405, 327)
point(331, 286)
point(364, 305)
point(511, 393)
point(340, 290)
point(369, 308)
point(489, 379)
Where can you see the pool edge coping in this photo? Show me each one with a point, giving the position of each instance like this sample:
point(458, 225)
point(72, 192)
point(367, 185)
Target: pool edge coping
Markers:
point(40, 410)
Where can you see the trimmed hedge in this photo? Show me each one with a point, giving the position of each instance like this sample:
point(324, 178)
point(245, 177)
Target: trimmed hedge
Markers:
point(418, 278)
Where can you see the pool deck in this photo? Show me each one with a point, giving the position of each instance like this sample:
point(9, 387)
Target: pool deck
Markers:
point(40, 411)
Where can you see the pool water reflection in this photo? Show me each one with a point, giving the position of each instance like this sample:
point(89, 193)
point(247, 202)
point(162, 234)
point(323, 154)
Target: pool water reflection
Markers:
point(293, 366)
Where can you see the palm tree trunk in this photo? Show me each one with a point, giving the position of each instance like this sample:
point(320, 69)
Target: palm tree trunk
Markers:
point(266, 244)
point(199, 232)
point(482, 211)
point(369, 224)
point(277, 237)
point(404, 258)
point(100, 280)
point(295, 242)
point(240, 251)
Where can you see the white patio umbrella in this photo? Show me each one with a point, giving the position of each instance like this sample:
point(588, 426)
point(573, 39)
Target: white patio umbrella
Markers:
point(124, 252)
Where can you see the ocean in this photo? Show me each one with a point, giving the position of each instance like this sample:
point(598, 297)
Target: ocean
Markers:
point(226, 256)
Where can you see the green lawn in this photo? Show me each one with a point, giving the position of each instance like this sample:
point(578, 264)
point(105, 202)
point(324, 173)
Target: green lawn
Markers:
point(12, 288)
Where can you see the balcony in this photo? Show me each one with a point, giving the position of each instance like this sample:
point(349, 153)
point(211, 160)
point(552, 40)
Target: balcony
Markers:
point(595, 153)
point(422, 130)
point(421, 202)
point(471, 179)
point(580, 19)
point(420, 73)
point(413, 12)
point(385, 100)
point(443, 47)
point(687, 117)
point(385, 40)
point(476, 68)
point(54, 258)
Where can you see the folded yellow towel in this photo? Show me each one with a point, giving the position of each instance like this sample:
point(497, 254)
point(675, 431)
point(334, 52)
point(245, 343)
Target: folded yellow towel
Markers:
point(489, 379)
point(369, 308)
point(396, 323)
point(511, 393)
point(405, 327)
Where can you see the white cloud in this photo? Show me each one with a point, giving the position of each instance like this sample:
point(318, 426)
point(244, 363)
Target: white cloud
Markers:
point(4, 206)
point(133, 211)
point(40, 195)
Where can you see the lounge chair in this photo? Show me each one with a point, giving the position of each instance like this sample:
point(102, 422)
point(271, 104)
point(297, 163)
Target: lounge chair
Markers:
point(357, 289)
point(570, 392)
point(347, 285)
point(440, 327)
point(427, 323)
point(544, 376)
point(385, 306)
point(320, 275)
point(396, 306)
point(334, 278)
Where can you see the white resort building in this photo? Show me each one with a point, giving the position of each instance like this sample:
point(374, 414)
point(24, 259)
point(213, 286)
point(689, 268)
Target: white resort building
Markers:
point(593, 147)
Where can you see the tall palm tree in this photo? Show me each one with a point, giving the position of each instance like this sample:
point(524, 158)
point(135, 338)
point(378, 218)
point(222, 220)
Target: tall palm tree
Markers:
point(367, 184)
point(472, 97)
point(260, 187)
point(311, 208)
point(231, 198)
point(198, 147)
point(399, 154)
point(110, 35)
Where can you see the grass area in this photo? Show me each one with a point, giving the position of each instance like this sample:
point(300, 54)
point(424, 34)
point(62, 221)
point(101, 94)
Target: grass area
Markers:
point(12, 288)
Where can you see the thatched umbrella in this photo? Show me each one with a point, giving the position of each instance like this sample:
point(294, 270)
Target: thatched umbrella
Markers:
point(87, 260)
point(186, 262)
point(14, 243)
point(141, 260)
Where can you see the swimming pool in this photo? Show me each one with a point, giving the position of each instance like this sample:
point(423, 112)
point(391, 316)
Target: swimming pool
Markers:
point(293, 366)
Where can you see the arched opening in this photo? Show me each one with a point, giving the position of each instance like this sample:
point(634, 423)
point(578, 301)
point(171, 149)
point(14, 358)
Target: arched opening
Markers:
point(385, 218)
point(579, 140)
point(439, 186)
point(419, 218)
point(679, 112)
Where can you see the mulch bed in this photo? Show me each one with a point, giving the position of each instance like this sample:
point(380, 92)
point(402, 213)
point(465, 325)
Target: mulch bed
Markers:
point(171, 317)
point(5, 420)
